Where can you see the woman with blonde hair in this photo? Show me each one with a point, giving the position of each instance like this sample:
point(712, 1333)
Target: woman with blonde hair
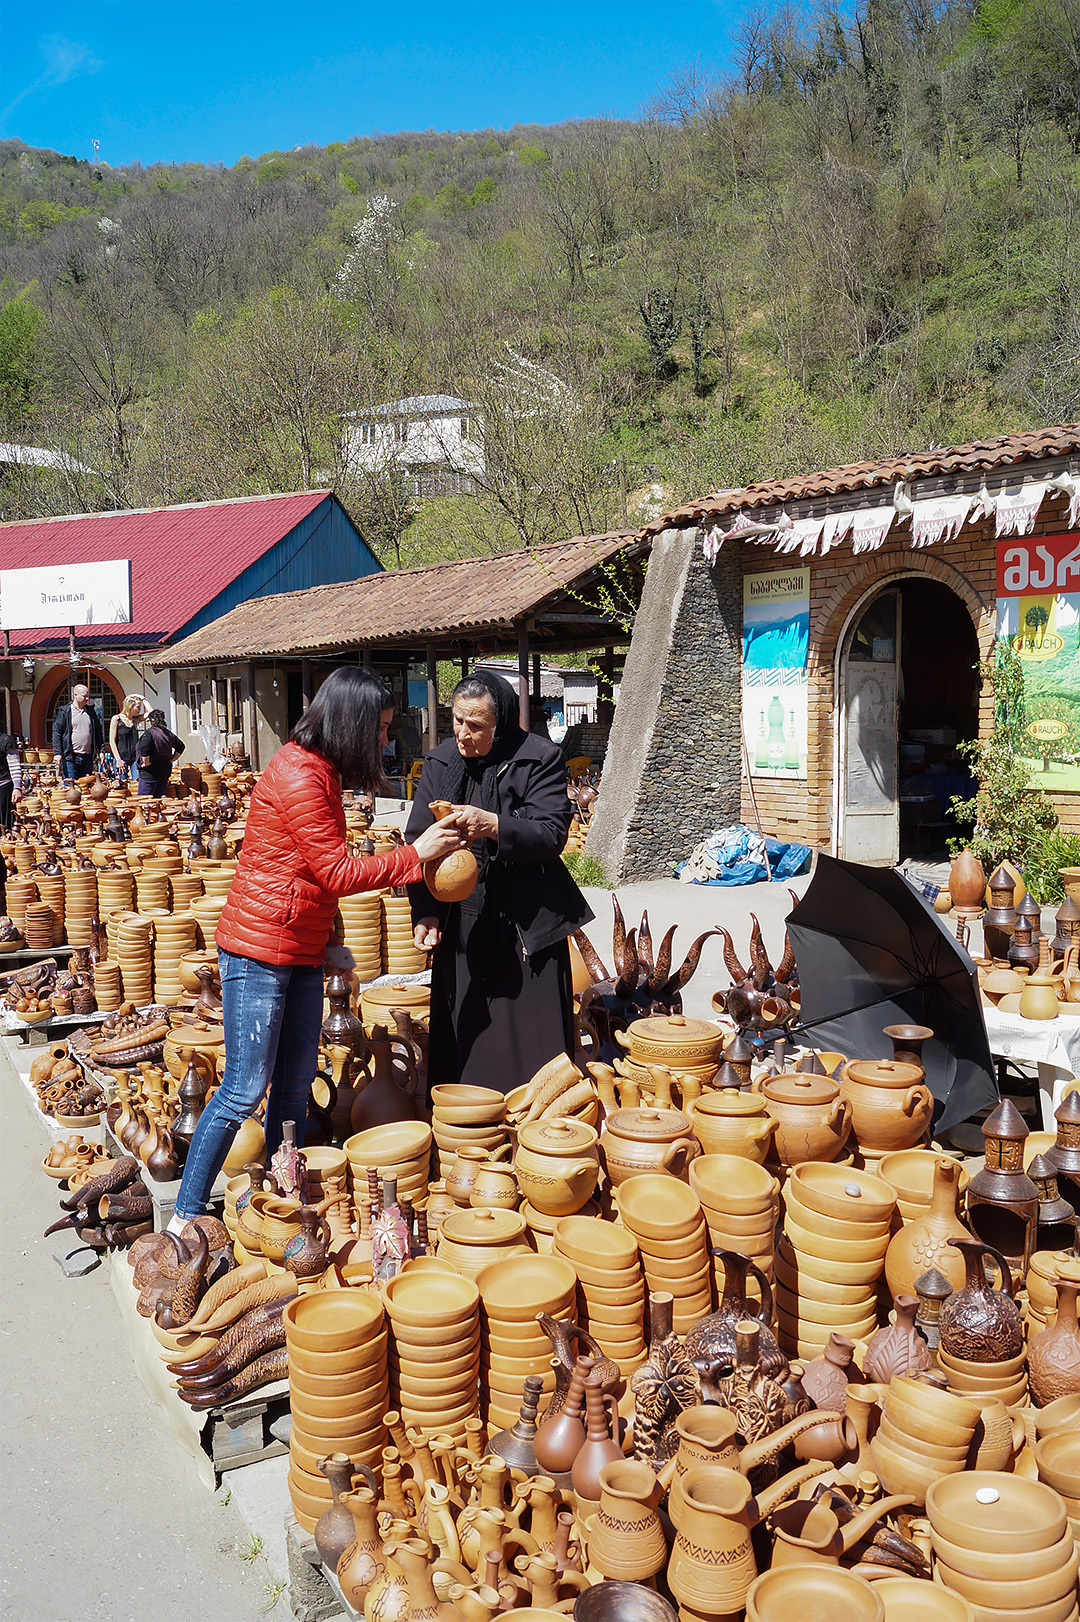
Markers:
point(125, 729)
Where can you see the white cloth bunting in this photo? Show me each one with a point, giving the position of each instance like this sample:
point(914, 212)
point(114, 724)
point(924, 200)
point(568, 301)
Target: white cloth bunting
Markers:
point(938, 519)
point(870, 528)
point(1018, 507)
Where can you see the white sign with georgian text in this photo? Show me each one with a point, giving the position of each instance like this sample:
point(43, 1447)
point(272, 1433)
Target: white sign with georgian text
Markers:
point(66, 594)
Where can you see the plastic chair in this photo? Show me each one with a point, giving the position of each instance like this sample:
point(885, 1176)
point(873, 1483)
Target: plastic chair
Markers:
point(579, 764)
point(413, 778)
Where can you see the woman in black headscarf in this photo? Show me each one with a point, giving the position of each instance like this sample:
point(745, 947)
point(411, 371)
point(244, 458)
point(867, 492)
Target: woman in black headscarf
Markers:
point(501, 998)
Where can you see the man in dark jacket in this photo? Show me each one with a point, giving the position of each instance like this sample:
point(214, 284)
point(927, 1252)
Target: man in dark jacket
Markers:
point(78, 735)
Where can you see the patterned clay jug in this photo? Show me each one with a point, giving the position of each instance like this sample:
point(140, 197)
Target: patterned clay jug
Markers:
point(978, 1324)
point(1054, 1356)
point(924, 1242)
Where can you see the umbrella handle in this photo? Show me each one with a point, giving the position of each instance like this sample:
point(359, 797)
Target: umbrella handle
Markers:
point(916, 1098)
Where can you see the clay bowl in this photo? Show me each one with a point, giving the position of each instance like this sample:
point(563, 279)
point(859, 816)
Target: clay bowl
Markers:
point(1061, 1414)
point(370, 1355)
point(1063, 1610)
point(438, 1353)
point(621, 1602)
point(814, 1592)
point(425, 1300)
point(910, 1173)
point(333, 1320)
point(811, 1334)
point(1021, 1516)
point(353, 1422)
point(804, 1309)
point(510, 1386)
point(690, 1269)
point(388, 1145)
point(842, 1192)
point(324, 1162)
point(619, 1295)
point(847, 1252)
point(515, 1290)
point(831, 1227)
point(901, 1471)
point(436, 1421)
point(352, 1383)
point(601, 1245)
point(603, 1278)
point(1024, 1594)
point(750, 1222)
point(453, 1390)
point(732, 1185)
point(426, 1264)
point(1008, 1367)
point(760, 1249)
point(463, 1106)
point(613, 1317)
point(920, 1427)
point(936, 1404)
point(310, 1449)
point(424, 1345)
point(1058, 1458)
point(532, 1345)
point(359, 1406)
point(1011, 1392)
point(991, 1565)
point(456, 1133)
point(912, 1599)
point(657, 1207)
point(946, 1451)
point(448, 1368)
point(798, 1281)
point(517, 1365)
point(671, 1250)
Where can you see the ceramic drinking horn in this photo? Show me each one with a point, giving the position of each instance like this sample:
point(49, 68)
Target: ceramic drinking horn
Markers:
point(189, 1285)
point(258, 1331)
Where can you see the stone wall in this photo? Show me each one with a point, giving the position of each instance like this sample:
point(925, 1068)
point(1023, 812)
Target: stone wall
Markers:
point(672, 773)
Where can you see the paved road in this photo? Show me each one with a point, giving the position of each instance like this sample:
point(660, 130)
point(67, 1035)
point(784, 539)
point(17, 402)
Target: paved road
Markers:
point(104, 1518)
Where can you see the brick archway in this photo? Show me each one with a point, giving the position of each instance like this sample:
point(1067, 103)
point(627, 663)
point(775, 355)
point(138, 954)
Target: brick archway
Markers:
point(54, 678)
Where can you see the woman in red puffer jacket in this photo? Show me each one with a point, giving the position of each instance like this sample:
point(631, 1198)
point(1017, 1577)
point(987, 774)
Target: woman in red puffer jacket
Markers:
point(273, 936)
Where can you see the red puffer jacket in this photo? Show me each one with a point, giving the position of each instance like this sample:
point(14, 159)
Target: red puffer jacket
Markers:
point(294, 865)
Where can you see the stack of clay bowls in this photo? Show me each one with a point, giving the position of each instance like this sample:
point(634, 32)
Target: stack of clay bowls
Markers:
point(398, 952)
point(174, 935)
point(512, 1294)
point(1005, 1378)
point(51, 891)
point(38, 926)
point(910, 1174)
point(362, 918)
point(466, 1117)
point(377, 1004)
point(665, 1217)
point(152, 892)
point(338, 1390)
point(836, 1232)
point(435, 1347)
point(80, 906)
point(206, 910)
point(107, 992)
point(739, 1201)
point(611, 1288)
point(129, 945)
point(184, 888)
point(115, 887)
point(401, 1149)
point(1046, 1267)
point(925, 1433)
point(19, 892)
point(1004, 1543)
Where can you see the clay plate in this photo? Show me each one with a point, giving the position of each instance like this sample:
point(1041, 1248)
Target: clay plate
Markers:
point(653, 1206)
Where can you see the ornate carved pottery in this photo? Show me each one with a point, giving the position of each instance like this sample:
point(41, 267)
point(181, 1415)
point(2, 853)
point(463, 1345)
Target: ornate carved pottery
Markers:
point(1054, 1355)
point(713, 1339)
point(979, 1324)
point(757, 1399)
point(663, 1387)
point(897, 1348)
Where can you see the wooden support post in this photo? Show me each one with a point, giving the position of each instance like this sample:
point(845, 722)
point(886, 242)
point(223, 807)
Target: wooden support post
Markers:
point(305, 682)
point(537, 692)
point(605, 708)
point(464, 665)
point(523, 674)
point(432, 698)
point(253, 717)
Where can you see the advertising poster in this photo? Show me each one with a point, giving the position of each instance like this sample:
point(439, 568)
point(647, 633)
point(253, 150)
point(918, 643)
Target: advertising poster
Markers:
point(1038, 610)
point(776, 639)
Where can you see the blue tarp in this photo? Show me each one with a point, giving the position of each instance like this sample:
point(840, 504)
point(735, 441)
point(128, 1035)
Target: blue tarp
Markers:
point(736, 856)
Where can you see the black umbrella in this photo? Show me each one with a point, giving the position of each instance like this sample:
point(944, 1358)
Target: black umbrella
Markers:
point(872, 952)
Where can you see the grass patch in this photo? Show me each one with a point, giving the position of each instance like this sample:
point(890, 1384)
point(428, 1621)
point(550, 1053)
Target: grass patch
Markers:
point(586, 869)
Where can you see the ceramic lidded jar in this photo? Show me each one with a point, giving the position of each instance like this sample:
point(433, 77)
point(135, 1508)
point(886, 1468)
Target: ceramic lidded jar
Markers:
point(470, 1239)
point(673, 1041)
point(890, 1103)
point(557, 1165)
point(733, 1122)
point(647, 1140)
point(812, 1121)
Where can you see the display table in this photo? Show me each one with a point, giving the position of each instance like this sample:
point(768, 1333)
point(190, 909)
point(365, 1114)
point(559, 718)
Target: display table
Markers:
point(1052, 1046)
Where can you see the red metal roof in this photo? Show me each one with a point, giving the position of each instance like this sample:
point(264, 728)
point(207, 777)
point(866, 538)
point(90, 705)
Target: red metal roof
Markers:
point(982, 456)
point(181, 557)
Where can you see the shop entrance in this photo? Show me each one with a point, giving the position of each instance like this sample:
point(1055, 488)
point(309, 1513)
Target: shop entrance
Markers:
point(909, 695)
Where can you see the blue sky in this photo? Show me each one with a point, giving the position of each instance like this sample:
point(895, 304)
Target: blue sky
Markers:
point(211, 80)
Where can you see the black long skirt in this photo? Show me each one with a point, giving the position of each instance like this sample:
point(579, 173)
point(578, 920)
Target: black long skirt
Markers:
point(496, 1015)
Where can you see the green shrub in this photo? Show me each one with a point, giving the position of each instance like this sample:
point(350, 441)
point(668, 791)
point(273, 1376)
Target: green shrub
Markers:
point(1010, 816)
point(586, 869)
point(1042, 874)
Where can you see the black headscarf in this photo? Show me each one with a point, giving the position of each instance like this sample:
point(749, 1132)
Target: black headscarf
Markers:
point(484, 769)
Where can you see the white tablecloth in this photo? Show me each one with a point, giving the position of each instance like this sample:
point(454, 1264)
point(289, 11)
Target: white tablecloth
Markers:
point(1052, 1045)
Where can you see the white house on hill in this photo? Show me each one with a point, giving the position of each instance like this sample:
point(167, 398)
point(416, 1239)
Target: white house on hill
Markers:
point(436, 439)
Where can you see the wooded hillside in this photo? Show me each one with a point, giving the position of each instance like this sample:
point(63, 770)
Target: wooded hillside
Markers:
point(865, 239)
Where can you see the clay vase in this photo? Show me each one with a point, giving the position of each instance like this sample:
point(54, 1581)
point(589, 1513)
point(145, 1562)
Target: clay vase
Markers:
point(924, 1242)
point(626, 1540)
point(1054, 1355)
point(978, 1324)
point(967, 884)
point(599, 1448)
point(713, 1338)
point(825, 1380)
point(560, 1439)
point(897, 1348)
point(334, 1530)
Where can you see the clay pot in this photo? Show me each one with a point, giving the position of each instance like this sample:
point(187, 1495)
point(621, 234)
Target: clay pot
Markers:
point(557, 1165)
point(897, 1348)
point(635, 1141)
point(811, 1120)
point(673, 1042)
point(461, 1178)
point(731, 1122)
point(452, 877)
point(1038, 1001)
point(1058, 1459)
point(626, 1539)
point(471, 1239)
point(890, 1103)
point(989, 1510)
point(1054, 1355)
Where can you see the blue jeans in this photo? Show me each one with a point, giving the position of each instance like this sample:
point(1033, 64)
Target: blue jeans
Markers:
point(272, 1018)
point(73, 766)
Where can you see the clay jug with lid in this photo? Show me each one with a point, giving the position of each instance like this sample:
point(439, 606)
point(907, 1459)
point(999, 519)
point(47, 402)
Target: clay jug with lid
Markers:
point(733, 1122)
point(924, 1241)
point(647, 1140)
point(1054, 1355)
point(811, 1120)
point(890, 1103)
point(980, 1324)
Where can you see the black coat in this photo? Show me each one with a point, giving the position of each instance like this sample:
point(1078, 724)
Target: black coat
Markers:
point(61, 731)
point(534, 887)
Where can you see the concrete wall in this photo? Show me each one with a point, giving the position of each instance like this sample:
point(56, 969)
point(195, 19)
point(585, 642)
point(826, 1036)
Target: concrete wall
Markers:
point(672, 771)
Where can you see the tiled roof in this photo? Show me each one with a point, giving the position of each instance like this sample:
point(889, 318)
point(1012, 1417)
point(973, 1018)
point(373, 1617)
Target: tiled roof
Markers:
point(181, 557)
point(400, 604)
point(984, 456)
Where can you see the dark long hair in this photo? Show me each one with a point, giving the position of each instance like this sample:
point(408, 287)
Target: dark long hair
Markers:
point(342, 723)
point(504, 700)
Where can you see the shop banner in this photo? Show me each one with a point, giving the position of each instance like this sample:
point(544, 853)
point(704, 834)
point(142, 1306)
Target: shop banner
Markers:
point(1038, 610)
point(776, 640)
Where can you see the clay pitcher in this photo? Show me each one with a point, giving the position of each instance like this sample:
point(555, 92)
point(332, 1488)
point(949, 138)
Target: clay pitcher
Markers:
point(1054, 1355)
point(335, 1530)
point(713, 1338)
point(626, 1540)
point(383, 1100)
point(712, 1564)
point(808, 1530)
point(978, 1324)
point(999, 1436)
point(709, 1435)
point(924, 1242)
